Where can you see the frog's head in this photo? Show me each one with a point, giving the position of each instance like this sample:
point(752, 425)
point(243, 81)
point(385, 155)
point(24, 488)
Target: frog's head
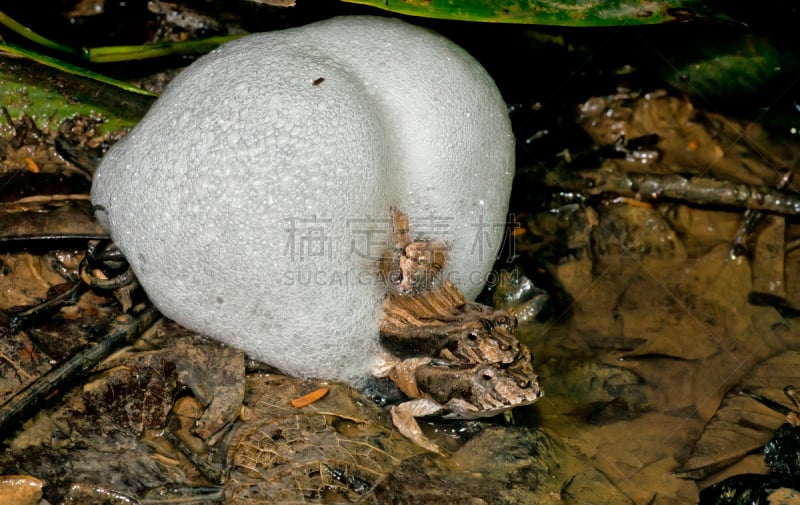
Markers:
point(420, 266)
point(495, 390)
point(477, 390)
point(485, 340)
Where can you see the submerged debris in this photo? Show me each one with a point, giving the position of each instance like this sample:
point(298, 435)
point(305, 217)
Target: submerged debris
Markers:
point(696, 190)
point(782, 456)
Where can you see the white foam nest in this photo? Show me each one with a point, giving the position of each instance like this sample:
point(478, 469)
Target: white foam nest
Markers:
point(253, 199)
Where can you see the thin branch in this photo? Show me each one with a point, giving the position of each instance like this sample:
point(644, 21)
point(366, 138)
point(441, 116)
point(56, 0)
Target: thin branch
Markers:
point(122, 331)
point(698, 190)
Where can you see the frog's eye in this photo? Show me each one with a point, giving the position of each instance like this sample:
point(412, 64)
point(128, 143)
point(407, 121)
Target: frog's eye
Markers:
point(473, 336)
point(487, 374)
point(506, 320)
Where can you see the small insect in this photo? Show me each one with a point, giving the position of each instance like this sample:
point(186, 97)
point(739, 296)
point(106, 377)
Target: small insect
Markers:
point(317, 81)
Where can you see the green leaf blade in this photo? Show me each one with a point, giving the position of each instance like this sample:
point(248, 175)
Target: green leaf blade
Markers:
point(545, 12)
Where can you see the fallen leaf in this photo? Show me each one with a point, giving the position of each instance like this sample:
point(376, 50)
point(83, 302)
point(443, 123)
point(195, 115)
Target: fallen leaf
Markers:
point(743, 424)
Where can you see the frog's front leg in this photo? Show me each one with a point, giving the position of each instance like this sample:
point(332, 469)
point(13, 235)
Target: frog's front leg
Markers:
point(403, 417)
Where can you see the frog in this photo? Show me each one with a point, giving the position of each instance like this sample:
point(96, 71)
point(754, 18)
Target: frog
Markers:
point(441, 323)
point(428, 316)
point(451, 357)
point(411, 267)
point(456, 390)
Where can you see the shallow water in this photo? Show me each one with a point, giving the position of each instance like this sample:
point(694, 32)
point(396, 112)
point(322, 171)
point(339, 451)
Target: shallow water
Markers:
point(647, 338)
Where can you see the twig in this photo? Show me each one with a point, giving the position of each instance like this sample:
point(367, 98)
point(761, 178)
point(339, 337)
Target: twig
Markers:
point(122, 331)
point(18, 319)
point(752, 218)
point(20, 371)
point(699, 190)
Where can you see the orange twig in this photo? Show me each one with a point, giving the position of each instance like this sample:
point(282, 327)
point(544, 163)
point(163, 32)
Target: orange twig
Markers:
point(309, 398)
point(32, 166)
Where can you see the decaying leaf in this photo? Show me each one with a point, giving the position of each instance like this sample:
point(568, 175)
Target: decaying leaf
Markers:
point(100, 428)
point(672, 334)
point(685, 139)
point(742, 424)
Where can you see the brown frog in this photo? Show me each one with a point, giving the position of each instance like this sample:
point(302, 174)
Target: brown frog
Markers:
point(426, 316)
point(411, 267)
point(457, 391)
point(441, 323)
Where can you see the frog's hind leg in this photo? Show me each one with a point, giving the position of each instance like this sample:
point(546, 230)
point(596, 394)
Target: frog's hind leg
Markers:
point(403, 417)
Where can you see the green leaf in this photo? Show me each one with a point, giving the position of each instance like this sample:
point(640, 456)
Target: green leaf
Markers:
point(551, 12)
point(156, 50)
point(49, 61)
point(50, 93)
point(116, 53)
point(727, 67)
point(29, 34)
point(747, 73)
